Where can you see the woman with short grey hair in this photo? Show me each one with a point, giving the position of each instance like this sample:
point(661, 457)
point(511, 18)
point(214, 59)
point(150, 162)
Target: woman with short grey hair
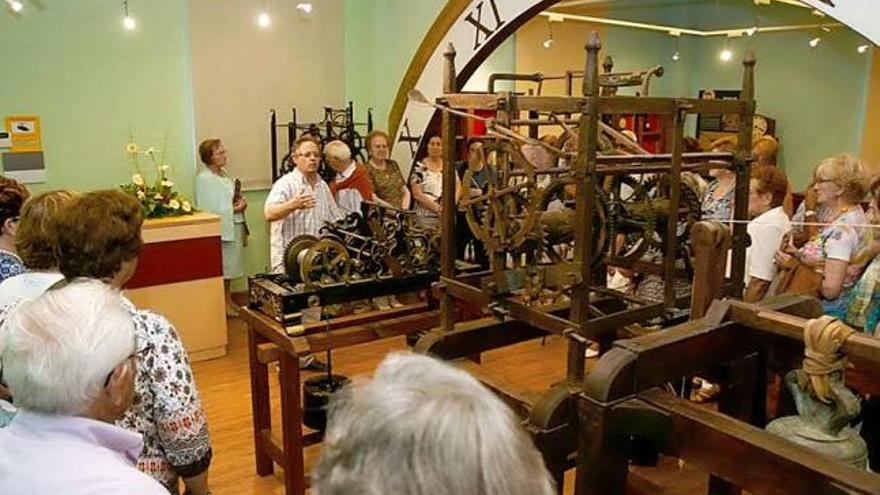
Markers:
point(423, 427)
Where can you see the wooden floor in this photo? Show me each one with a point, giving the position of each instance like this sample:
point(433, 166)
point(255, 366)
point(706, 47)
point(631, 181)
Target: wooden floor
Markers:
point(225, 389)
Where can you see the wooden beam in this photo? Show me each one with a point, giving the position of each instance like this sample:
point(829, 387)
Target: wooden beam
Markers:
point(476, 336)
point(859, 346)
point(752, 458)
point(367, 332)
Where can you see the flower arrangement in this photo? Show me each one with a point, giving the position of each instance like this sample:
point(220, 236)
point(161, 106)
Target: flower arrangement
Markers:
point(159, 198)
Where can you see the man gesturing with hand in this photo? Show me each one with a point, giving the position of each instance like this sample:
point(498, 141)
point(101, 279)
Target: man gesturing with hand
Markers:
point(299, 202)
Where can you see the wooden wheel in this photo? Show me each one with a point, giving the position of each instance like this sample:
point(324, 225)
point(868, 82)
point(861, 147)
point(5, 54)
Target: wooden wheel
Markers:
point(503, 217)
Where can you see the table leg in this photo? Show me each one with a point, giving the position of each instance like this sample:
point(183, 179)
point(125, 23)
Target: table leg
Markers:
point(260, 405)
point(291, 424)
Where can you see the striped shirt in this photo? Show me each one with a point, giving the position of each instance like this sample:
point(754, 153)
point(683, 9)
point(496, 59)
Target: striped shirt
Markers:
point(300, 222)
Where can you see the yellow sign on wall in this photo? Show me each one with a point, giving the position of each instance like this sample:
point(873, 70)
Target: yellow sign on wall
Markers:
point(25, 133)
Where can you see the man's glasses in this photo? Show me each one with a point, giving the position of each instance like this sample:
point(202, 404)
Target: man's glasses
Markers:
point(136, 354)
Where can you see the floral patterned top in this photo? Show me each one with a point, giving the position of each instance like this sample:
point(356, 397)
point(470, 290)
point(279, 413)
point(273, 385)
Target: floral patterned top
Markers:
point(432, 186)
point(839, 240)
point(713, 208)
point(387, 182)
point(10, 265)
point(166, 409)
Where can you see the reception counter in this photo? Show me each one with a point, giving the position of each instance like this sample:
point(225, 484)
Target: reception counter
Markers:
point(180, 276)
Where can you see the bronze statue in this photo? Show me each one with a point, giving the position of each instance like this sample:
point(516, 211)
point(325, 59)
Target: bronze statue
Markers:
point(825, 405)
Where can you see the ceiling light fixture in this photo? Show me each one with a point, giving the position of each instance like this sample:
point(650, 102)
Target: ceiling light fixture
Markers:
point(264, 20)
point(15, 5)
point(128, 22)
point(676, 56)
point(751, 31)
point(549, 41)
point(815, 42)
point(304, 7)
point(863, 48)
point(726, 54)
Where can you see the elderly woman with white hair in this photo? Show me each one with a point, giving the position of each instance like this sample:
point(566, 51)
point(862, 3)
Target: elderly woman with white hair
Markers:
point(422, 427)
point(70, 359)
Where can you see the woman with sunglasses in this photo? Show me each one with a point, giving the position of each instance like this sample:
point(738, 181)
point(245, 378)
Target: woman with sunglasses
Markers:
point(839, 184)
point(102, 240)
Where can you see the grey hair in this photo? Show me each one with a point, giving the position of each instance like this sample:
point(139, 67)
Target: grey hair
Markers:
point(338, 150)
point(58, 349)
point(423, 427)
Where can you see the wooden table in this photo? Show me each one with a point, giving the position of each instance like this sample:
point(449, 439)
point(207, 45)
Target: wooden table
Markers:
point(268, 342)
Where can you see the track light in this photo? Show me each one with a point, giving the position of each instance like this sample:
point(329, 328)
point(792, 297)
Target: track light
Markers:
point(676, 57)
point(128, 22)
point(726, 55)
point(863, 48)
point(15, 5)
point(264, 20)
point(549, 41)
point(304, 7)
point(751, 31)
point(815, 42)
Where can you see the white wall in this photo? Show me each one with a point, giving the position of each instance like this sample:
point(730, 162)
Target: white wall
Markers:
point(241, 71)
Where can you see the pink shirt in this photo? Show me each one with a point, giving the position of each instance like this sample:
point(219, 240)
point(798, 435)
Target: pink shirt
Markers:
point(42, 453)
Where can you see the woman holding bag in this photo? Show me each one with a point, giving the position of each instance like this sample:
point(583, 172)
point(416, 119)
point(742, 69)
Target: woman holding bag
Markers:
point(220, 194)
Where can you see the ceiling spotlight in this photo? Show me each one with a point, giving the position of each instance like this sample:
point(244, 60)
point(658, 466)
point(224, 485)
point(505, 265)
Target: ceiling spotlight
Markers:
point(549, 41)
point(676, 57)
point(815, 42)
point(751, 31)
point(726, 55)
point(128, 21)
point(263, 20)
point(304, 7)
point(15, 5)
point(863, 48)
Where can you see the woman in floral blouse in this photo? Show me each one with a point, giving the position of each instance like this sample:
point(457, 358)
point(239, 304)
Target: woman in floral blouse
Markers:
point(840, 183)
point(426, 181)
point(102, 239)
point(12, 197)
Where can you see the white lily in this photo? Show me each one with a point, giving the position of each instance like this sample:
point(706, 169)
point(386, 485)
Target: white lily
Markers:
point(167, 183)
point(141, 196)
point(174, 204)
point(186, 206)
point(137, 180)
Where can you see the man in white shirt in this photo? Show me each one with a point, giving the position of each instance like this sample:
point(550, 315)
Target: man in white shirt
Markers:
point(69, 357)
point(767, 188)
point(299, 203)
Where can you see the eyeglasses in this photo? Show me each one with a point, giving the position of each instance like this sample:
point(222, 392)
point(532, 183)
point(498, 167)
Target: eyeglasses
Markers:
point(136, 355)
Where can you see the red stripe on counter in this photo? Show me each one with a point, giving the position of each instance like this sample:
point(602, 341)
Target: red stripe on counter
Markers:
point(178, 261)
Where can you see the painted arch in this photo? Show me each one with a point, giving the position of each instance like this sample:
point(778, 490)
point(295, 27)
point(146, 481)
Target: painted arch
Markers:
point(477, 27)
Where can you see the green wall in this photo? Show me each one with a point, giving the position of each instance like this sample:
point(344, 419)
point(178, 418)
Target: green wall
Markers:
point(93, 84)
point(381, 37)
